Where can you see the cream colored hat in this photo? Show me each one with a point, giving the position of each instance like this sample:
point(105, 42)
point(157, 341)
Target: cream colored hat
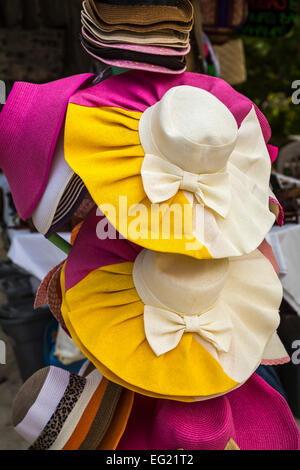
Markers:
point(193, 145)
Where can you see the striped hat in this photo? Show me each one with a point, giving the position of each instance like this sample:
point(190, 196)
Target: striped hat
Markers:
point(59, 410)
point(63, 194)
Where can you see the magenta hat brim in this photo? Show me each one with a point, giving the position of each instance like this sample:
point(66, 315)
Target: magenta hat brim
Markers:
point(30, 123)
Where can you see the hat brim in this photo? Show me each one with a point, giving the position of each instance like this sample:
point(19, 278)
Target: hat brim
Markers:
point(194, 368)
point(139, 15)
point(26, 152)
point(204, 234)
point(160, 38)
point(129, 64)
point(255, 416)
point(147, 49)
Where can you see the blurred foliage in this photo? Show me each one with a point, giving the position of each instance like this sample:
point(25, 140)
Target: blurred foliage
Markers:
point(272, 66)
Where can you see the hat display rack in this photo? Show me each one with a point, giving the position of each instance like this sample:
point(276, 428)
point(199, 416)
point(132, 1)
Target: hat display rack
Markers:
point(174, 321)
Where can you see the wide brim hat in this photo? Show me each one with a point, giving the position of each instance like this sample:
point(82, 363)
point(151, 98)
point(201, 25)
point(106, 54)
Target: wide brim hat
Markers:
point(141, 2)
point(59, 410)
point(254, 417)
point(111, 18)
point(128, 315)
point(137, 168)
point(30, 124)
point(62, 195)
point(165, 37)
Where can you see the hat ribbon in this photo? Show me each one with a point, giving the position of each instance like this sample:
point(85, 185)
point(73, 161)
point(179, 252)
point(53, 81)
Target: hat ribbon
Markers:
point(165, 328)
point(162, 180)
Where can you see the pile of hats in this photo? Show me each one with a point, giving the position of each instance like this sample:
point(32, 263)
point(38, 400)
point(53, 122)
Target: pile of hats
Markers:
point(169, 290)
point(145, 34)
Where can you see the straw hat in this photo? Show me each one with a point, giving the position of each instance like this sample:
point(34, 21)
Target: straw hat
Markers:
point(187, 147)
point(30, 124)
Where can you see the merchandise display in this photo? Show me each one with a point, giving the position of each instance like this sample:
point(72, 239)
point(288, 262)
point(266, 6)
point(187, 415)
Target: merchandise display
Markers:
point(157, 320)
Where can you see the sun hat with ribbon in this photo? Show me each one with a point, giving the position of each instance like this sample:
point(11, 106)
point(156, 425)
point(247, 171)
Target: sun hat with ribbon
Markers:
point(177, 164)
point(30, 124)
point(254, 417)
point(59, 410)
point(168, 325)
point(148, 49)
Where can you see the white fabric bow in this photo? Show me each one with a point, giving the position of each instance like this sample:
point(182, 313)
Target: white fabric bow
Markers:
point(162, 180)
point(164, 328)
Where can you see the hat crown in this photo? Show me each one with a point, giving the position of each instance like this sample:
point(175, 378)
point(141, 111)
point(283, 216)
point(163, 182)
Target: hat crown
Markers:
point(179, 283)
point(193, 129)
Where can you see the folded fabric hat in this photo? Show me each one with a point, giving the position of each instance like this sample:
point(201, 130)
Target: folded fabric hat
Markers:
point(255, 417)
point(166, 37)
point(135, 13)
point(31, 121)
point(63, 194)
point(186, 335)
point(178, 164)
point(49, 293)
point(148, 49)
point(146, 62)
point(106, 52)
point(59, 410)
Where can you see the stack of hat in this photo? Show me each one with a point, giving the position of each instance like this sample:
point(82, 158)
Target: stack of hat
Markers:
point(145, 34)
point(43, 185)
point(168, 289)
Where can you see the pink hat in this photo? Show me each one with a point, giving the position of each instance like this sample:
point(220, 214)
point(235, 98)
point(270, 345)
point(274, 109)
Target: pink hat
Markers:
point(254, 416)
point(29, 127)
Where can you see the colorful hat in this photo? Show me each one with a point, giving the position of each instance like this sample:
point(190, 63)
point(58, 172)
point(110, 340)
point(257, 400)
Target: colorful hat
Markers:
point(30, 124)
point(176, 164)
point(255, 417)
point(59, 410)
point(179, 328)
point(63, 194)
point(134, 64)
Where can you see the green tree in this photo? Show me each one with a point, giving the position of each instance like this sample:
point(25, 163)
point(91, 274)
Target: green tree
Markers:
point(272, 66)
